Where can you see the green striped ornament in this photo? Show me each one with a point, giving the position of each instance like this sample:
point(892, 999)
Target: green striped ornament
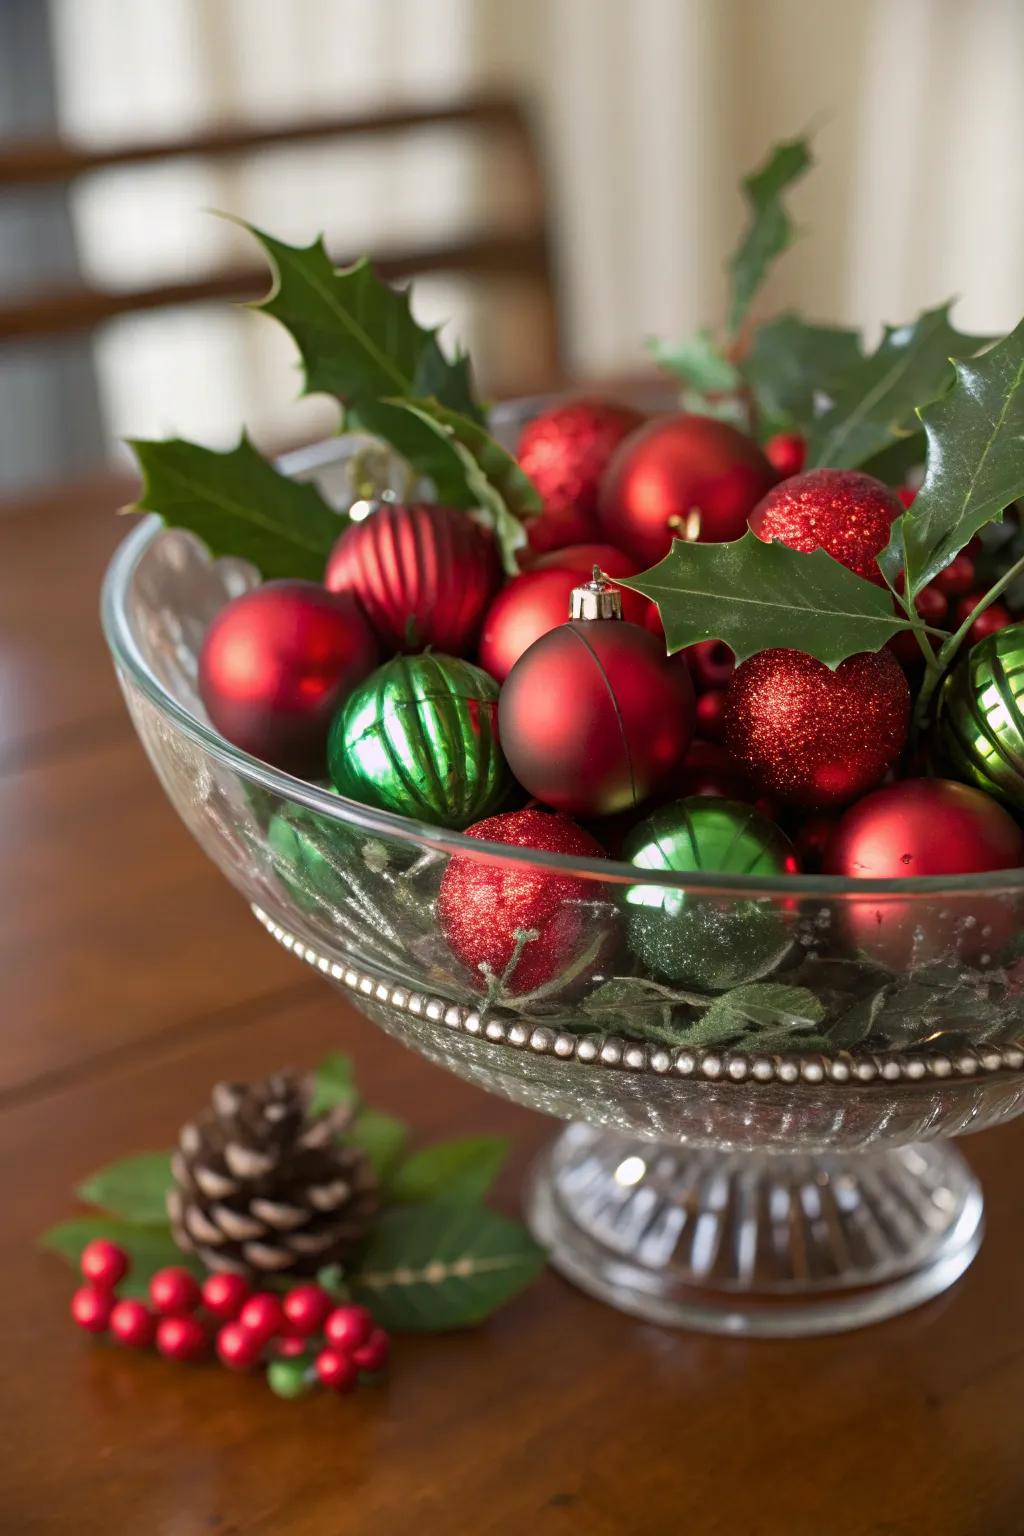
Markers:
point(420, 737)
point(980, 725)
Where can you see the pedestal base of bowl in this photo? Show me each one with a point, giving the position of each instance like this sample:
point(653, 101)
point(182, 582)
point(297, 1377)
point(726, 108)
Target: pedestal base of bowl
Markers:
point(760, 1245)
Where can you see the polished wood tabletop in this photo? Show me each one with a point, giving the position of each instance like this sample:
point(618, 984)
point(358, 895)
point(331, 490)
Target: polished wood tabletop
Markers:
point(132, 978)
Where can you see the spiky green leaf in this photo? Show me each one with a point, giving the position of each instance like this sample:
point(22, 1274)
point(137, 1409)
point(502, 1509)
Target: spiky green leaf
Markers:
point(770, 230)
point(698, 362)
point(793, 368)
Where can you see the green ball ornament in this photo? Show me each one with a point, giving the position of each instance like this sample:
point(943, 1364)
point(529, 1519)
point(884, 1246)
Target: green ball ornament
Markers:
point(694, 940)
point(980, 724)
point(420, 737)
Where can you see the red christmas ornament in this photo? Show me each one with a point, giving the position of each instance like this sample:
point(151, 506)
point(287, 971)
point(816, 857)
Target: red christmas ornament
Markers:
point(709, 770)
point(681, 476)
point(582, 558)
point(423, 576)
point(262, 1315)
point(239, 1348)
point(594, 718)
point(277, 663)
point(91, 1308)
point(103, 1264)
point(711, 714)
point(373, 1355)
point(174, 1292)
point(527, 608)
point(711, 663)
point(844, 512)
point(924, 827)
point(564, 451)
point(786, 452)
point(132, 1324)
point(337, 1371)
point(348, 1327)
point(306, 1307)
point(484, 909)
point(812, 736)
point(181, 1338)
point(225, 1294)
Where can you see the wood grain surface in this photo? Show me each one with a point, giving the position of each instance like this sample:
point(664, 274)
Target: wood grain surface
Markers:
point(132, 978)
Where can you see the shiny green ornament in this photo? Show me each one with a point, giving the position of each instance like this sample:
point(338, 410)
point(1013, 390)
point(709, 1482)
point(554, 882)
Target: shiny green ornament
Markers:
point(420, 737)
point(310, 854)
point(691, 939)
point(980, 726)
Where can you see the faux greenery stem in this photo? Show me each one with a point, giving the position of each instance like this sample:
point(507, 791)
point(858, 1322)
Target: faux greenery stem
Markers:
point(947, 652)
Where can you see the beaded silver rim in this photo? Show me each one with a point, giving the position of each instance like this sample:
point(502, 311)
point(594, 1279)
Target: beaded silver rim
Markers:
point(623, 1054)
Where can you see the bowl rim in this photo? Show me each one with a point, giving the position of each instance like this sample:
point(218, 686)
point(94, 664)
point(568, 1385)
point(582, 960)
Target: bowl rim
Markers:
point(324, 802)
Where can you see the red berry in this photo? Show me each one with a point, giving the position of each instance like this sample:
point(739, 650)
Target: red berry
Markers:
point(994, 618)
point(262, 1315)
point(132, 1324)
point(291, 1346)
point(91, 1309)
point(238, 1347)
point(958, 577)
point(709, 714)
point(174, 1292)
point(711, 663)
point(786, 452)
point(348, 1327)
point(373, 1355)
point(103, 1263)
point(906, 494)
point(337, 1370)
point(181, 1338)
point(225, 1295)
point(932, 605)
point(306, 1307)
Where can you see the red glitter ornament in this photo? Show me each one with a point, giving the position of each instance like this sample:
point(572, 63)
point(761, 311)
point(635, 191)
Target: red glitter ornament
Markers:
point(275, 666)
point(844, 512)
point(681, 476)
point(564, 451)
point(786, 452)
point(594, 718)
point(423, 575)
point(924, 827)
point(485, 910)
point(812, 736)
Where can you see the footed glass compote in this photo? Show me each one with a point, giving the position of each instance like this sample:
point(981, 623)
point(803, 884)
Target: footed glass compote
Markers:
point(765, 1155)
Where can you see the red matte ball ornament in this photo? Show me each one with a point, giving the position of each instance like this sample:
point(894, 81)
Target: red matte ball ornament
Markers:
point(926, 827)
point(275, 666)
point(681, 476)
point(786, 452)
point(564, 451)
point(527, 608)
point(422, 574)
point(812, 736)
point(842, 511)
point(487, 910)
point(594, 718)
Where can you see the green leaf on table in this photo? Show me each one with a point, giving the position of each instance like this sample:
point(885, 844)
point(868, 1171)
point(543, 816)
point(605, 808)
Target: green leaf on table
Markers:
point(756, 596)
point(382, 1137)
point(698, 362)
point(469, 468)
point(238, 504)
point(445, 1264)
point(149, 1247)
point(876, 402)
point(762, 1016)
point(792, 367)
point(333, 1083)
point(975, 462)
point(134, 1188)
point(355, 333)
point(451, 1170)
point(770, 230)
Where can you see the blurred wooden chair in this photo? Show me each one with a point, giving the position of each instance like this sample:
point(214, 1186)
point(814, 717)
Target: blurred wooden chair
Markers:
point(522, 254)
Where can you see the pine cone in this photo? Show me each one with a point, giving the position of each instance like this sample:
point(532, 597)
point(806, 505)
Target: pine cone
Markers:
point(263, 1187)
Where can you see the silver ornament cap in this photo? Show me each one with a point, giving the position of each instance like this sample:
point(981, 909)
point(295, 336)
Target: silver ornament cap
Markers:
point(596, 599)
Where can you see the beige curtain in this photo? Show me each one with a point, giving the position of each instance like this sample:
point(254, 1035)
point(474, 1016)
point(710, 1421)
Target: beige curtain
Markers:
point(650, 111)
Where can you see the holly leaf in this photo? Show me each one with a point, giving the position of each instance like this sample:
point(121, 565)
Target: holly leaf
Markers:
point(770, 230)
point(450, 1170)
point(333, 1083)
point(699, 363)
point(149, 1247)
point(877, 400)
point(238, 504)
point(975, 462)
point(792, 367)
point(762, 1016)
point(382, 1137)
point(445, 1264)
point(469, 468)
point(355, 333)
point(756, 596)
point(134, 1188)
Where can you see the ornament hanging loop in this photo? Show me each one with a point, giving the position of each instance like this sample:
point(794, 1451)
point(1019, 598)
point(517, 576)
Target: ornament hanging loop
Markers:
point(596, 599)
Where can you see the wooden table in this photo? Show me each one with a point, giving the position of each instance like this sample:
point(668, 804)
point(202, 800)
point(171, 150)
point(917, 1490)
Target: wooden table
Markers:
point(132, 979)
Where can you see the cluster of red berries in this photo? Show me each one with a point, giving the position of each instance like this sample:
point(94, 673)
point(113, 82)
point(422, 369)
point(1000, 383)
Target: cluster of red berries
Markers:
point(303, 1336)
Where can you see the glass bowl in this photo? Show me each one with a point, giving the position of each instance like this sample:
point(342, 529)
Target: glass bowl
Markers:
point(762, 1151)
